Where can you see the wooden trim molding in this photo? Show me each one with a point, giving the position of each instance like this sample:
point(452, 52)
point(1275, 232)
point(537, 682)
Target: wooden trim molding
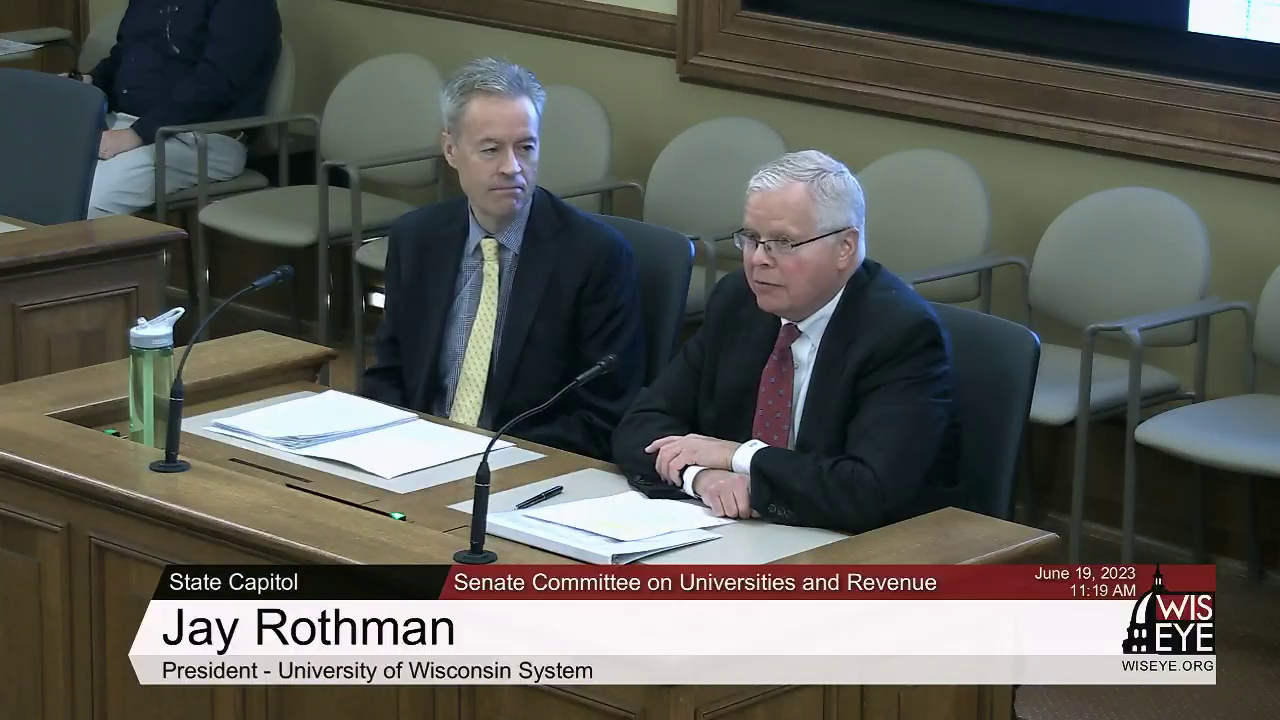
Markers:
point(594, 23)
point(1153, 116)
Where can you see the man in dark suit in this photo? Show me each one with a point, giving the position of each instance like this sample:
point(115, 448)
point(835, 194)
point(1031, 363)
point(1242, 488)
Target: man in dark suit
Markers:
point(497, 300)
point(818, 390)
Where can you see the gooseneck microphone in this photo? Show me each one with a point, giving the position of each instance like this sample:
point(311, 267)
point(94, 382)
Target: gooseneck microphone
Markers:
point(476, 554)
point(173, 431)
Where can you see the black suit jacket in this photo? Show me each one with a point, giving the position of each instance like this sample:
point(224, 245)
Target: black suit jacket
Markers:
point(879, 438)
point(574, 300)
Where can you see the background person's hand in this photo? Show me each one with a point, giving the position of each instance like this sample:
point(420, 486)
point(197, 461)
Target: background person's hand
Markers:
point(115, 142)
point(728, 494)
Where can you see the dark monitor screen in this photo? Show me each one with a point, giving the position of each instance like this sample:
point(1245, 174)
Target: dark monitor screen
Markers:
point(1249, 19)
point(1236, 42)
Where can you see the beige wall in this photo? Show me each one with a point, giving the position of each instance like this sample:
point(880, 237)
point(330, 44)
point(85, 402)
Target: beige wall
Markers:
point(1029, 182)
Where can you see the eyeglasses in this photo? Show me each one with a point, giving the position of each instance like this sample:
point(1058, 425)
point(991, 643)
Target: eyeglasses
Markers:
point(746, 241)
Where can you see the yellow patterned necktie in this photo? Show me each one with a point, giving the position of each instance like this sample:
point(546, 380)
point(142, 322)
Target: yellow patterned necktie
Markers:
point(468, 398)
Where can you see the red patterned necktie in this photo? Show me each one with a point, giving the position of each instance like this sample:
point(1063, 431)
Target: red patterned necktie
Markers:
point(772, 423)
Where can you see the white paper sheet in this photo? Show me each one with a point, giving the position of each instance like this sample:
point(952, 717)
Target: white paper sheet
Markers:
point(13, 47)
point(629, 516)
point(6, 227)
point(321, 418)
point(393, 451)
point(586, 546)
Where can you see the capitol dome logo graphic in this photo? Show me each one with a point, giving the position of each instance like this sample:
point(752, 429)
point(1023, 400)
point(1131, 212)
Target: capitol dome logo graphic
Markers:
point(1166, 622)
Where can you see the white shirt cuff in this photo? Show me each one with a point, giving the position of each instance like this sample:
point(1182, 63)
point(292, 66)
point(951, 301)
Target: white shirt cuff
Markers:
point(742, 456)
point(688, 475)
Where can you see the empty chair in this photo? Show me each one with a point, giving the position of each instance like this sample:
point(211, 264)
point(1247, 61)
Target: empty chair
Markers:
point(995, 362)
point(1108, 260)
point(50, 147)
point(381, 124)
point(926, 209)
point(664, 262)
point(575, 157)
point(698, 185)
point(1238, 434)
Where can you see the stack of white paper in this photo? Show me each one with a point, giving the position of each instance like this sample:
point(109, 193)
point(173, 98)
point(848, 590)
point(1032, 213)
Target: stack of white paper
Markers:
point(611, 530)
point(585, 546)
point(355, 431)
point(629, 516)
point(306, 422)
point(13, 47)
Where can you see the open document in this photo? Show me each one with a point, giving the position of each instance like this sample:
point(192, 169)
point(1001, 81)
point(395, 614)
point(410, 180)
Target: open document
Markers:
point(355, 431)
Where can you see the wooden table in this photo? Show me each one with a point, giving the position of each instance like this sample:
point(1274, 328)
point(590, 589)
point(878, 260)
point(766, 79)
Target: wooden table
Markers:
point(85, 529)
point(69, 293)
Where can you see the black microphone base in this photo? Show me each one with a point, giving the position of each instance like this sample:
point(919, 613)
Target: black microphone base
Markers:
point(466, 557)
point(176, 466)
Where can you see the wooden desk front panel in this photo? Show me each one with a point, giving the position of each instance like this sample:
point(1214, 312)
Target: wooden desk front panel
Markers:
point(73, 317)
point(75, 581)
point(76, 577)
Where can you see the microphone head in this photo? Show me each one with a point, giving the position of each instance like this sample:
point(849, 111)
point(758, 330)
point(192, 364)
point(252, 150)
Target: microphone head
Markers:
point(608, 361)
point(284, 272)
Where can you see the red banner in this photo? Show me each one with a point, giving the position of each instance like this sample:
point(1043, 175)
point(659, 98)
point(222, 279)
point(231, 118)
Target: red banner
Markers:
point(822, 582)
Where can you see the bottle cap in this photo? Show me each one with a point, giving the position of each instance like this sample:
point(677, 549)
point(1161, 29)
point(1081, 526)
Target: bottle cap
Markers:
point(155, 333)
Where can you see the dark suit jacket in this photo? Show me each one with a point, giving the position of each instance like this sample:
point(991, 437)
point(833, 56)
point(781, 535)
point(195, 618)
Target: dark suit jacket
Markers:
point(879, 438)
point(574, 300)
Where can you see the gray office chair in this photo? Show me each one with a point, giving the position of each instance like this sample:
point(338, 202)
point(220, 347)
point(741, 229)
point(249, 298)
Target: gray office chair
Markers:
point(1237, 433)
point(50, 148)
point(664, 261)
point(995, 362)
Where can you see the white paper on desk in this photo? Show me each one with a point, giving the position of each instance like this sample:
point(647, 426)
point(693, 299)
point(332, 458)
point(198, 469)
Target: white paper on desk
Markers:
point(6, 227)
point(585, 546)
point(629, 516)
point(13, 47)
point(392, 451)
point(321, 418)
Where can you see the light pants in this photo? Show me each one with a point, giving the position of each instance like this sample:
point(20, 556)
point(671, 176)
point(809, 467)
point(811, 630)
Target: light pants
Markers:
point(126, 183)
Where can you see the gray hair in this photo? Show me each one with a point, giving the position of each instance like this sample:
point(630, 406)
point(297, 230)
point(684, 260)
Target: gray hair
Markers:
point(490, 76)
point(837, 196)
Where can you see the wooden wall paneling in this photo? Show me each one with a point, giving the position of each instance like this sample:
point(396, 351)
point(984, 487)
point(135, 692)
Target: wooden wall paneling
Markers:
point(35, 614)
point(1165, 118)
point(595, 23)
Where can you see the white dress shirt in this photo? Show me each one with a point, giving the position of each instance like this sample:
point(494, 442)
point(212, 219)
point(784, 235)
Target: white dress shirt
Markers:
point(804, 351)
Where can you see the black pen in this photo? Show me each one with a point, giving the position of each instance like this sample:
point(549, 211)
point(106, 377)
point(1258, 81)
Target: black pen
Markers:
point(540, 497)
point(392, 515)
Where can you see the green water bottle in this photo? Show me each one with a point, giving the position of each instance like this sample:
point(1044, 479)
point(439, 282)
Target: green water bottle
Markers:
point(150, 376)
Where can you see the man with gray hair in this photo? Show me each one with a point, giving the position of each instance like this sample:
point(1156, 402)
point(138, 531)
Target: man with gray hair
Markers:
point(818, 390)
point(498, 299)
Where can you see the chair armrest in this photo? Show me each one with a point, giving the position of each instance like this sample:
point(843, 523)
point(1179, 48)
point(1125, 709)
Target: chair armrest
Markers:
point(38, 36)
point(1134, 326)
point(431, 153)
point(239, 124)
point(603, 186)
point(985, 262)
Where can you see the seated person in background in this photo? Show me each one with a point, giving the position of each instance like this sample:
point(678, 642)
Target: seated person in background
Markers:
point(497, 300)
point(178, 62)
point(818, 390)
